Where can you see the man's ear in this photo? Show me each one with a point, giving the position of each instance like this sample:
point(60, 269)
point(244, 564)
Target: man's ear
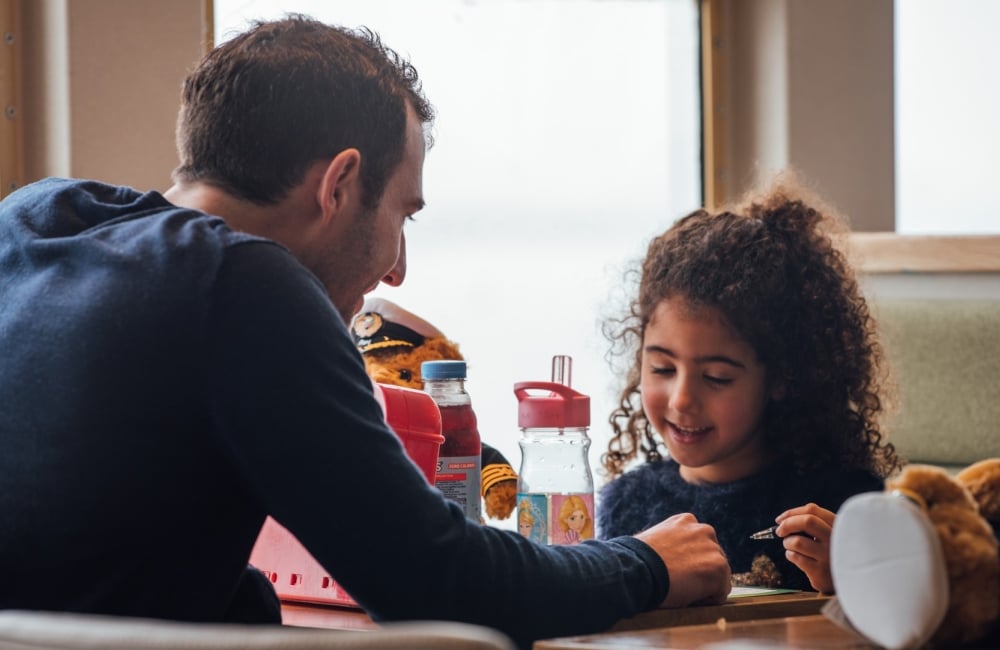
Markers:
point(340, 185)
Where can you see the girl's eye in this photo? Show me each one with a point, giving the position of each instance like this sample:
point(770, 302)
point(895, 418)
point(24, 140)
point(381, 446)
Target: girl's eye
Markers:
point(662, 370)
point(718, 381)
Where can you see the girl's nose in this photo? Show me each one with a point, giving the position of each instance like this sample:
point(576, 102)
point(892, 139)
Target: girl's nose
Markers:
point(685, 397)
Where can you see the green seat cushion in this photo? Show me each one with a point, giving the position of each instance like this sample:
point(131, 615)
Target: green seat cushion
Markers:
point(945, 357)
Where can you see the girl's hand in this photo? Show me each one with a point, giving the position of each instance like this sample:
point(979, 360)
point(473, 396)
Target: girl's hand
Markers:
point(805, 533)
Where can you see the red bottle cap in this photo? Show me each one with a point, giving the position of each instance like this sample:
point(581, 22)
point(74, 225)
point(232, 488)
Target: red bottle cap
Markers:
point(560, 407)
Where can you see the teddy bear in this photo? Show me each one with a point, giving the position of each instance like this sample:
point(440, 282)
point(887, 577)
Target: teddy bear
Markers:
point(393, 343)
point(918, 565)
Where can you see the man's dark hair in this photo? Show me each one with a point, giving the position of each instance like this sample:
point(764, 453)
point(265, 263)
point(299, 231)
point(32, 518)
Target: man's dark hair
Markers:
point(261, 108)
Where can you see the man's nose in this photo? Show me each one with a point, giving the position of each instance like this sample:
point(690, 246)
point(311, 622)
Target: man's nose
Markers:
point(397, 273)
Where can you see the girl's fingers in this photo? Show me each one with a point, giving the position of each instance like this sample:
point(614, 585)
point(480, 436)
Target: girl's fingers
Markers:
point(817, 571)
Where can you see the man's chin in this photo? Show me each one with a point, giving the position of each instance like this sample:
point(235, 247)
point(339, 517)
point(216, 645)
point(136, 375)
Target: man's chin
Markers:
point(349, 307)
point(347, 310)
point(361, 299)
point(352, 310)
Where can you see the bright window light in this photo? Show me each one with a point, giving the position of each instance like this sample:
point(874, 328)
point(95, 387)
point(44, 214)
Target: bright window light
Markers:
point(567, 134)
point(947, 103)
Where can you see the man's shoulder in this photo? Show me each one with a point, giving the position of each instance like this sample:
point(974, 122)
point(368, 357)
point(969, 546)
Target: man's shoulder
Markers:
point(145, 243)
point(77, 211)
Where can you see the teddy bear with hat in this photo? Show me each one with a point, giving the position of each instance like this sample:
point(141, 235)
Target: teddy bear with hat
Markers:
point(393, 343)
point(918, 565)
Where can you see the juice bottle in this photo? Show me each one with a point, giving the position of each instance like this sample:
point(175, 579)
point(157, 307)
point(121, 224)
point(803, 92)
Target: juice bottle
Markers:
point(459, 468)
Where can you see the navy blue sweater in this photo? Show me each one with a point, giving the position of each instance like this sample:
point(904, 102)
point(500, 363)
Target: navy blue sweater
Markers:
point(651, 492)
point(166, 383)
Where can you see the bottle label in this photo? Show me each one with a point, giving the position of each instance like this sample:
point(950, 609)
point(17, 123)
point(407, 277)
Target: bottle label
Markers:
point(458, 478)
point(556, 518)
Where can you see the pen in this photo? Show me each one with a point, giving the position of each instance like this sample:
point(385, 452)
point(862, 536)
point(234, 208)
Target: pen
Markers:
point(767, 533)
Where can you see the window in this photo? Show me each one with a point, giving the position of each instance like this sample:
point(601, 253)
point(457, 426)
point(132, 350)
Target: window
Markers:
point(947, 100)
point(567, 134)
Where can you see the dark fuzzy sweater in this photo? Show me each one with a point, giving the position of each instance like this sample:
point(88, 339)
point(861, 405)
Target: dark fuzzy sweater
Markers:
point(654, 491)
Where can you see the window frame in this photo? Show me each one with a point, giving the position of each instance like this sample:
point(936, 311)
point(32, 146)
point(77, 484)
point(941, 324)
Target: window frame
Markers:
point(11, 156)
point(871, 252)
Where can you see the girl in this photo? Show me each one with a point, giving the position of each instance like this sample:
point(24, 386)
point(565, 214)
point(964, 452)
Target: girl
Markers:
point(756, 371)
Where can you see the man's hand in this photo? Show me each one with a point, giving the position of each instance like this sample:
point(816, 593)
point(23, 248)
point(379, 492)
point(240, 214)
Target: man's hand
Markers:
point(699, 570)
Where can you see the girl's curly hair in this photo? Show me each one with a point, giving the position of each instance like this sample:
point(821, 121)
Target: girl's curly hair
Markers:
point(771, 268)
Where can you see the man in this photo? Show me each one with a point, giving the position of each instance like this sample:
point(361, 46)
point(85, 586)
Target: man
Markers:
point(178, 367)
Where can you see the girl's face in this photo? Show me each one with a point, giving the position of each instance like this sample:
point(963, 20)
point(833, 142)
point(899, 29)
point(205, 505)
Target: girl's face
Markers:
point(704, 392)
point(577, 520)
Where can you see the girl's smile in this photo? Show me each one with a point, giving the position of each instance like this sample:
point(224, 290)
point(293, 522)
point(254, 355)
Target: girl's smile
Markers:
point(687, 435)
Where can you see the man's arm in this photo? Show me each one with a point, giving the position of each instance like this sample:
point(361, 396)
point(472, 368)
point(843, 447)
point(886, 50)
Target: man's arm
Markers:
point(295, 407)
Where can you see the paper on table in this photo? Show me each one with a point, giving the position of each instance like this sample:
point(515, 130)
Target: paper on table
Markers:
point(742, 592)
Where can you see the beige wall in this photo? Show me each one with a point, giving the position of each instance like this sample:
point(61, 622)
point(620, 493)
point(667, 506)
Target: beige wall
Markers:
point(810, 85)
point(101, 86)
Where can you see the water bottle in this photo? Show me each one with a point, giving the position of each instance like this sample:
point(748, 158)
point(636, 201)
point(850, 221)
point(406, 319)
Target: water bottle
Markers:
point(555, 487)
point(459, 467)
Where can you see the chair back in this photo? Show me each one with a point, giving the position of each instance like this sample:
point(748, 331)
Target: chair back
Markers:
point(32, 630)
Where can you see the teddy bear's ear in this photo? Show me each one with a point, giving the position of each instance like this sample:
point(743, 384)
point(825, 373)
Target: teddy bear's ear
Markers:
point(933, 484)
point(889, 570)
point(982, 479)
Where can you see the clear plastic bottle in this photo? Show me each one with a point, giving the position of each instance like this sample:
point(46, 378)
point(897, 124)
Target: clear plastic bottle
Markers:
point(459, 468)
point(555, 487)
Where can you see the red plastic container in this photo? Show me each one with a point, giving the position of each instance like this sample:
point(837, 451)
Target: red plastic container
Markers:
point(296, 574)
point(416, 419)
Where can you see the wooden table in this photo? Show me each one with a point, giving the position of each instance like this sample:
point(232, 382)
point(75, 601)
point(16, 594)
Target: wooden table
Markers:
point(812, 631)
point(800, 603)
point(737, 609)
point(330, 617)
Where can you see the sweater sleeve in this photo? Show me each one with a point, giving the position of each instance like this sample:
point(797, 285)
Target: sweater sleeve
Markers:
point(294, 408)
